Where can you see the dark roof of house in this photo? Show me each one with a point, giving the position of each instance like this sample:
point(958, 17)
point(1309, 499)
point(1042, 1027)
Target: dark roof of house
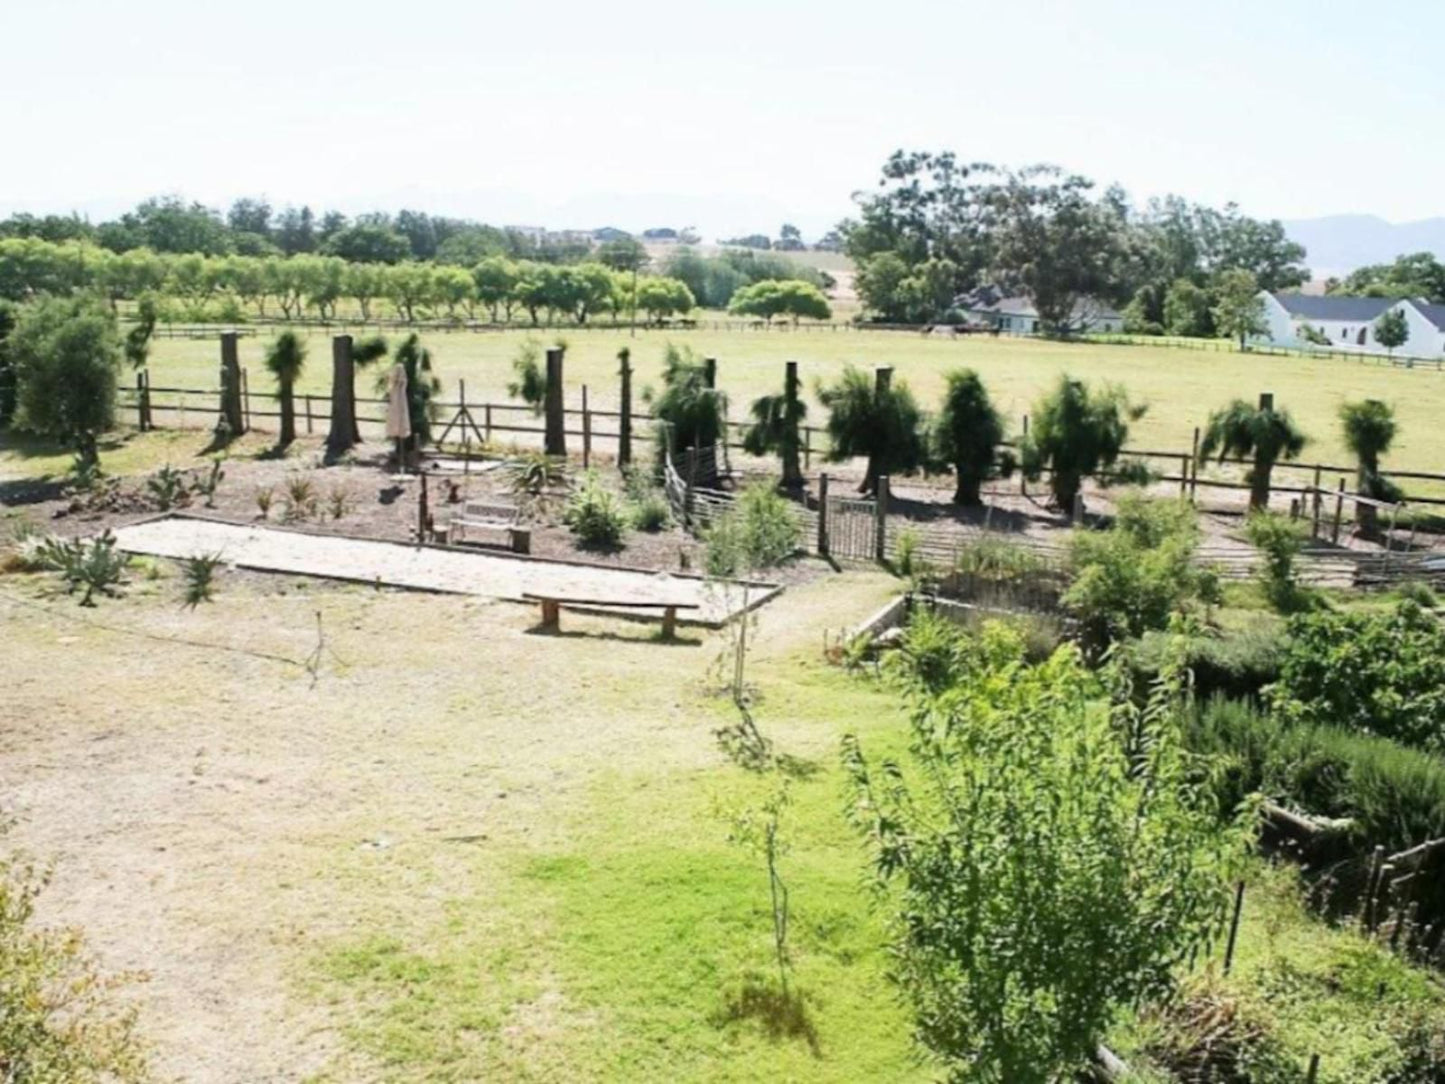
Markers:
point(1314, 307)
point(1434, 313)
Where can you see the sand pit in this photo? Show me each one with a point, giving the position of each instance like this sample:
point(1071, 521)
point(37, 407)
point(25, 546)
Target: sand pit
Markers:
point(431, 568)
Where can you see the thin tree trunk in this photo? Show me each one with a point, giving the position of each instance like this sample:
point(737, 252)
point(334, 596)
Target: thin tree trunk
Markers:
point(288, 414)
point(967, 492)
point(1259, 485)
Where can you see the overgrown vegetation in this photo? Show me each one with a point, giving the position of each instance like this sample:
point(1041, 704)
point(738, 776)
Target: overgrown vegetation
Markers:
point(1375, 673)
point(758, 531)
point(58, 1020)
point(595, 515)
point(1088, 864)
point(1279, 541)
point(1134, 576)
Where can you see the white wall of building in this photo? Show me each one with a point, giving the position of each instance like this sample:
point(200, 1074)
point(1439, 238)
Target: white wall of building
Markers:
point(1425, 340)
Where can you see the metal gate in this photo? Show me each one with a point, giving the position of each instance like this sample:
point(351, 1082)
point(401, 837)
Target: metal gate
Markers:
point(852, 528)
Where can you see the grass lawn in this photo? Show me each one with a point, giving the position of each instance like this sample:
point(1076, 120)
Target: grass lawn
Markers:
point(466, 852)
point(1180, 386)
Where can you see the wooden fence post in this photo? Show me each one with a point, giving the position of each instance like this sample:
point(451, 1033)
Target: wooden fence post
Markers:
point(823, 514)
point(1315, 517)
point(308, 415)
point(709, 372)
point(555, 437)
point(1183, 477)
point(1339, 513)
point(140, 401)
point(880, 521)
point(229, 417)
point(246, 397)
point(808, 447)
point(624, 421)
point(1313, 1075)
point(487, 422)
point(1194, 469)
point(586, 431)
point(1023, 481)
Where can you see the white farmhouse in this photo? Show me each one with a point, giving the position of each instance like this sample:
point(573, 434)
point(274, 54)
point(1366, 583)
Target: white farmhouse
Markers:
point(1018, 316)
point(1349, 323)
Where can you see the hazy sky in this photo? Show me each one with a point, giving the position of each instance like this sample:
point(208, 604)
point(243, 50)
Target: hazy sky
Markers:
point(726, 116)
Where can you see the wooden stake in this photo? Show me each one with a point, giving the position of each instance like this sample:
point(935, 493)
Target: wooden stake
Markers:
point(1234, 927)
point(586, 431)
point(823, 514)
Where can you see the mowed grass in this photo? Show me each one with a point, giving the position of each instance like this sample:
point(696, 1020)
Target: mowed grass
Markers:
point(466, 852)
point(1180, 386)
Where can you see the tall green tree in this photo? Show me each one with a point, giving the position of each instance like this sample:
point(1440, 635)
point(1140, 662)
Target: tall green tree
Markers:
point(67, 353)
point(1369, 430)
point(285, 360)
point(968, 435)
point(776, 427)
point(1261, 433)
point(1238, 308)
point(876, 418)
point(1063, 245)
point(1076, 433)
point(1187, 310)
point(1392, 329)
point(9, 314)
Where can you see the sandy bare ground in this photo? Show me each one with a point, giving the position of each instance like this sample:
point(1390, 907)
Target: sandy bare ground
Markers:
point(218, 820)
point(428, 568)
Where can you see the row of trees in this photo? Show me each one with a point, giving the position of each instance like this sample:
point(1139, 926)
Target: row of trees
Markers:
point(937, 228)
point(252, 227)
point(227, 286)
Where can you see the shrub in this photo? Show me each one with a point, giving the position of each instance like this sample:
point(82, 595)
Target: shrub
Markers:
point(1279, 541)
point(338, 501)
point(595, 515)
point(1395, 795)
point(533, 473)
point(56, 1022)
point(1235, 664)
point(167, 488)
point(66, 352)
point(265, 495)
point(651, 513)
point(1420, 593)
point(1378, 673)
point(300, 498)
point(1044, 859)
point(1133, 576)
point(93, 564)
point(758, 531)
point(200, 574)
point(997, 559)
point(1077, 433)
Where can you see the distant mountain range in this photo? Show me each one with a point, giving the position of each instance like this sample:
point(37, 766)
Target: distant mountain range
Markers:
point(1337, 244)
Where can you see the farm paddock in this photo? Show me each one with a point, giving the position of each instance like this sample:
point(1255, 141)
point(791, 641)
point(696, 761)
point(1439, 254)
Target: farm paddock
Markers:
point(410, 840)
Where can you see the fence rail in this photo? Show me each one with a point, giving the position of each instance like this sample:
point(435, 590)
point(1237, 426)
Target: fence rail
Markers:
point(491, 419)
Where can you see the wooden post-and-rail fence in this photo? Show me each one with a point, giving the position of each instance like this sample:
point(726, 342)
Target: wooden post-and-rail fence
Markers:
point(235, 412)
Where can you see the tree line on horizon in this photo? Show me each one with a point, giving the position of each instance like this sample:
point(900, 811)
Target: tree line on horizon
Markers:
point(937, 229)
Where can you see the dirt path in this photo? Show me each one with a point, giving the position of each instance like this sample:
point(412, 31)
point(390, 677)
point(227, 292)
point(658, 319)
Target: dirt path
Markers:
point(428, 568)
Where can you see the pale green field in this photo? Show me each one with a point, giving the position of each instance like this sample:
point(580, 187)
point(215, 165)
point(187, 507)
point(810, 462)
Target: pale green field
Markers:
point(1179, 386)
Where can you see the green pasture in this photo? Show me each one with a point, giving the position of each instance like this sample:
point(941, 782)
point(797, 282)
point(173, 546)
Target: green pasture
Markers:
point(1180, 386)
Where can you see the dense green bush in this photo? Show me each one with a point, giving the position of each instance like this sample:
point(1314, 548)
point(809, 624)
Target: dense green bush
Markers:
point(1395, 795)
point(758, 531)
point(651, 513)
point(1279, 541)
point(595, 515)
point(1133, 576)
point(1236, 664)
point(1382, 673)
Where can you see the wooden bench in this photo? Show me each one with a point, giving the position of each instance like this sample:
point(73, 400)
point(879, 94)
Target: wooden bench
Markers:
point(552, 607)
point(494, 516)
